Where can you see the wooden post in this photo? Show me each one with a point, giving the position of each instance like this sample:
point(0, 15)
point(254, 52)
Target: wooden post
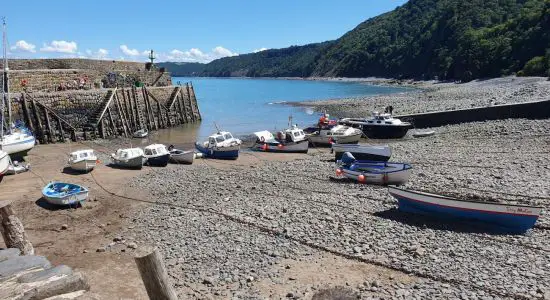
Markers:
point(113, 124)
point(13, 230)
point(28, 118)
point(61, 133)
point(73, 135)
point(152, 117)
point(149, 127)
point(181, 110)
point(193, 115)
point(49, 125)
point(40, 130)
point(154, 276)
point(101, 129)
point(136, 106)
point(131, 111)
point(121, 116)
point(184, 108)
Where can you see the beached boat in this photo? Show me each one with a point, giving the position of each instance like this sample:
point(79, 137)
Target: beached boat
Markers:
point(17, 167)
point(423, 133)
point(5, 162)
point(362, 152)
point(221, 145)
point(17, 143)
point(511, 218)
point(178, 156)
point(157, 155)
point(373, 172)
point(338, 134)
point(379, 126)
point(61, 193)
point(83, 160)
point(292, 140)
point(140, 134)
point(132, 158)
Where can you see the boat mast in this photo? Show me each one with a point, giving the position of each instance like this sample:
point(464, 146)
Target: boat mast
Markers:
point(6, 77)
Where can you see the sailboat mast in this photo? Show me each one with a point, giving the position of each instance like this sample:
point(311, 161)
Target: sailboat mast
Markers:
point(6, 76)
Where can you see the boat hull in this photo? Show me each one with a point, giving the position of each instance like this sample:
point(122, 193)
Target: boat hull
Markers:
point(298, 147)
point(511, 218)
point(317, 140)
point(4, 162)
point(19, 148)
point(385, 132)
point(182, 157)
point(84, 165)
point(231, 152)
point(132, 163)
point(64, 199)
point(361, 152)
point(394, 177)
point(158, 161)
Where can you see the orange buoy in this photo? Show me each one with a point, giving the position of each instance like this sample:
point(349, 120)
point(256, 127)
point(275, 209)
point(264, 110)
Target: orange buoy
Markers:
point(280, 146)
point(339, 172)
point(98, 161)
point(361, 178)
point(265, 147)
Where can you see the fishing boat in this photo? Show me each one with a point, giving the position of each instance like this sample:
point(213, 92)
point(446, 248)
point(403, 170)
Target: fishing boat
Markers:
point(61, 193)
point(17, 167)
point(379, 126)
point(511, 218)
point(4, 163)
point(423, 133)
point(140, 134)
point(338, 134)
point(178, 156)
point(131, 158)
point(373, 172)
point(291, 140)
point(221, 145)
point(362, 152)
point(83, 160)
point(157, 155)
point(16, 141)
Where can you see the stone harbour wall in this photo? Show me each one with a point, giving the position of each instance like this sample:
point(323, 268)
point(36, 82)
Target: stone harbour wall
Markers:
point(103, 66)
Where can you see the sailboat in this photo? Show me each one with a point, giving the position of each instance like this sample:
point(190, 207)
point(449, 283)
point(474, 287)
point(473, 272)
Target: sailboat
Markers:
point(16, 141)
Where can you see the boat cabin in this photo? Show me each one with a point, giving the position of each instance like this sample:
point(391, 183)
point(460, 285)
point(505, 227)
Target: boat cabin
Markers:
point(383, 119)
point(129, 153)
point(155, 150)
point(221, 138)
point(82, 155)
point(294, 134)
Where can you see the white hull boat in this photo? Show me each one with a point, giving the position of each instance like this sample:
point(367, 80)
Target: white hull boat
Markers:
point(221, 145)
point(178, 156)
point(336, 135)
point(422, 133)
point(157, 155)
point(83, 160)
point(132, 158)
point(4, 163)
point(17, 167)
point(140, 134)
point(382, 173)
point(292, 140)
point(17, 144)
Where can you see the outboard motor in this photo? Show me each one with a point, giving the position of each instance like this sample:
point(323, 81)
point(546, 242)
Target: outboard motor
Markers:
point(347, 159)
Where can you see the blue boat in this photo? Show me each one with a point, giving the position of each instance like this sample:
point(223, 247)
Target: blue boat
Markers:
point(157, 155)
point(61, 193)
point(506, 217)
point(221, 145)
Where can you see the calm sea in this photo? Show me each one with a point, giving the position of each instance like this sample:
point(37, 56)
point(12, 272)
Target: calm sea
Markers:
point(243, 106)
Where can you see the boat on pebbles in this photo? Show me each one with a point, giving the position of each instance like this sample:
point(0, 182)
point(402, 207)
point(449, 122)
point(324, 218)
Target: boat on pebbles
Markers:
point(157, 155)
point(379, 126)
point(373, 172)
point(83, 160)
point(131, 158)
point(329, 135)
point(291, 140)
point(61, 193)
point(178, 156)
point(507, 217)
point(221, 145)
point(362, 152)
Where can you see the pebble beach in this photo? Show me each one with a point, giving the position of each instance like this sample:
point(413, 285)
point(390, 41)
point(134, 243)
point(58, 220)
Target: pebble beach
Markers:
point(261, 227)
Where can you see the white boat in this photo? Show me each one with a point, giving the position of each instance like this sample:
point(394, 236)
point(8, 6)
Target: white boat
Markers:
point(382, 173)
point(157, 155)
point(379, 126)
point(338, 134)
point(221, 145)
point(16, 142)
point(423, 133)
point(140, 134)
point(4, 163)
point(363, 152)
point(178, 156)
point(292, 140)
point(17, 167)
point(133, 158)
point(83, 160)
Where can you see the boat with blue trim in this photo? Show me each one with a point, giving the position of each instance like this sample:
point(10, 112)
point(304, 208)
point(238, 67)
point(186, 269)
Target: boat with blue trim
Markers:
point(157, 155)
point(292, 140)
point(220, 145)
point(509, 217)
point(62, 193)
point(373, 172)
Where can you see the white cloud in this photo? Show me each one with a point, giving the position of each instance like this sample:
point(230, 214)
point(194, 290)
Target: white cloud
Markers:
point(128, 51)
point(197, 55)
point(259, 50)
point(102, 53)
point(24, 46)
point(99, 54)
point(60, 47)
point(89, 52)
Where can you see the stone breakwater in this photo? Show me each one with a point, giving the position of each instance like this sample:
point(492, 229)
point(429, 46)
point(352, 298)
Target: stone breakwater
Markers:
point(238, 229)
point(433, 96)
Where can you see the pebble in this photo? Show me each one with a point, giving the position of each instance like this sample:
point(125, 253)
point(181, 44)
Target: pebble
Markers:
point(64, 227)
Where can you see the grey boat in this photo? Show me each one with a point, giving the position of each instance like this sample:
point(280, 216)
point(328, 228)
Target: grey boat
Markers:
point(131, 158)
point(178, 156)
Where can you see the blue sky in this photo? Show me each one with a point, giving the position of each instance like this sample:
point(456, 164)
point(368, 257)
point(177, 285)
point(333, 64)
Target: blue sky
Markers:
point(177, 30)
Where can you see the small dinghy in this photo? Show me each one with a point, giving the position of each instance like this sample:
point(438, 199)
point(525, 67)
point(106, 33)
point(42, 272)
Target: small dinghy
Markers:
point(178, 156)
point(339, 134)
point(61, 193)
point(4, 163)
point(140, 134)
point(17, 167)
point(221, 145)
point(157, 155)
point(83, 160)
point(132, 158)
point(511, 218)
point(362, 152)
point(423, 133)
point(373, 172)
point(292, 140)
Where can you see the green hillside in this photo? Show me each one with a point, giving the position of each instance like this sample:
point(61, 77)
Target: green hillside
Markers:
point(450, 39)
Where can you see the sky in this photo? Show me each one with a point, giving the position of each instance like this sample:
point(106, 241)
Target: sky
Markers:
point(189, 31)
